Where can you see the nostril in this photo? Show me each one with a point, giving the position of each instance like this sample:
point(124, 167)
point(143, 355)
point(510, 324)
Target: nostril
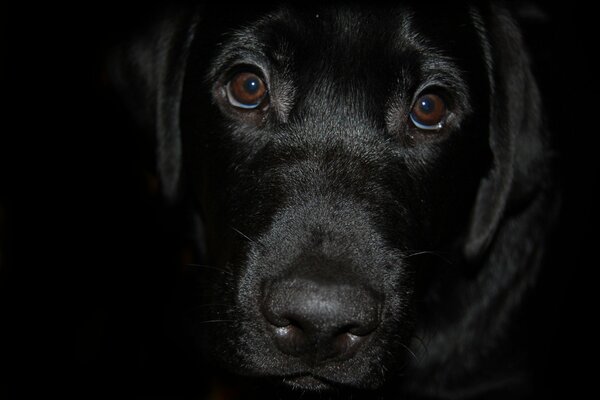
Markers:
point(365, 327)
point(293, 340)
point(346, 344)
point(290, 339)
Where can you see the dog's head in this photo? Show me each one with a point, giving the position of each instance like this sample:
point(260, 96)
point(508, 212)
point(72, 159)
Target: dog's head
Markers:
point(342, 158)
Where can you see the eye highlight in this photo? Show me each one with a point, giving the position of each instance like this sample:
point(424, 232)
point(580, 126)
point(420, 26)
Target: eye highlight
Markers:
point(429, 112)
point(246, 90)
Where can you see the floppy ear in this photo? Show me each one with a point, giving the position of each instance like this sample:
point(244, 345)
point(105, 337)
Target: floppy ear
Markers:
point(149, 71)
point(515, 134)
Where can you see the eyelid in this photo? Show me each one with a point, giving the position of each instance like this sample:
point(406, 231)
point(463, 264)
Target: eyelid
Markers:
point(433, 87)
point(228, 71)
point(435, 127)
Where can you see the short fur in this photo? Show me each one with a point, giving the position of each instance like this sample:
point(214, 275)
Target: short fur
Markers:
point(333, 186)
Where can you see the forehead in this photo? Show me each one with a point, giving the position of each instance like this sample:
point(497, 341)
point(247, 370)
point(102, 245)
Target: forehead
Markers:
point(317, 31)
point(349, 38)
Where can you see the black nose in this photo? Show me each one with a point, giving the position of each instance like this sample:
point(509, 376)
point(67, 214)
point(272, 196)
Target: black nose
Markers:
point(319, 321)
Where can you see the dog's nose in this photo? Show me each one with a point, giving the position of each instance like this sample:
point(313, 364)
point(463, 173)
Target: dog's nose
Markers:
point(320, 321)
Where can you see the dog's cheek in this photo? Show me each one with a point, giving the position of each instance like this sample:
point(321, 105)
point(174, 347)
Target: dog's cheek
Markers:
point(233, 334)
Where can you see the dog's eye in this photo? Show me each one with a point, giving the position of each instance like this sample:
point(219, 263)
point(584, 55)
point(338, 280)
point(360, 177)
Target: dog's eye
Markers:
point(429, 112)
point(246, 90)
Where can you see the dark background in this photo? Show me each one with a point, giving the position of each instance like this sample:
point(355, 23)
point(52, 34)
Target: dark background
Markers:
point(88, 257)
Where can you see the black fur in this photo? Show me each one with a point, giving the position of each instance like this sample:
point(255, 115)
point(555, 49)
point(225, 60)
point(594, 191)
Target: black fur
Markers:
point(328, 192)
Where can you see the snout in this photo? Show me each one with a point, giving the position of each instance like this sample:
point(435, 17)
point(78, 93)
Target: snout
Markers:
point(322, 296)
point(319, 320)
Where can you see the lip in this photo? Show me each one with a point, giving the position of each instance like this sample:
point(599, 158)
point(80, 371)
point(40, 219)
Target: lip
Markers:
point(308, 382)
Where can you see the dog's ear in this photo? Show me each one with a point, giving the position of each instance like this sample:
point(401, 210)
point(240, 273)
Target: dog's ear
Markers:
point(515, 128)
point(149, 72)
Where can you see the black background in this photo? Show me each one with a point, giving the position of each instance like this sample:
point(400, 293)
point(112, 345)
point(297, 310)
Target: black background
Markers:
point(86, 267)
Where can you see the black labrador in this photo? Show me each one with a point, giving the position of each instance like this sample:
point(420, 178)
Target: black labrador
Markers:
point(374, 184)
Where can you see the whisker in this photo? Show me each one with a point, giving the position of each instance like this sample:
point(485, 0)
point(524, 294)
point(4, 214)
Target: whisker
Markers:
point(421, 341)
point(212, 305)
point(215, 321)
point(412, 353)
point(242, 234)
point(438, 254)
point(198, 267)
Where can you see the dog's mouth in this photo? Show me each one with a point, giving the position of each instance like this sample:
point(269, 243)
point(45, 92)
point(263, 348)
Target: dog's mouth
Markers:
point(309, 382)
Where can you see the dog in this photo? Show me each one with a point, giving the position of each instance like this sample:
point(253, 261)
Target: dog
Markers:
point(374, 185)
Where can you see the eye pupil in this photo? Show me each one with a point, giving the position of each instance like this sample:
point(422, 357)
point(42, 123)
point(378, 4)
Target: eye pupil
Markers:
point(426, 105)
point(252, 85)
point(429, 112)
point(246, 90)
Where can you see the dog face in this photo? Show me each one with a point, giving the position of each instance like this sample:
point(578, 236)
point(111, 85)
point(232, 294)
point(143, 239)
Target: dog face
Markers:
point(341, 144)
point(334, 153)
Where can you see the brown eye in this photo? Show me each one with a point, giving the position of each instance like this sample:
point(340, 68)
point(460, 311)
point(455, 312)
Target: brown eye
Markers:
point(246, 90)
point(429, 112)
